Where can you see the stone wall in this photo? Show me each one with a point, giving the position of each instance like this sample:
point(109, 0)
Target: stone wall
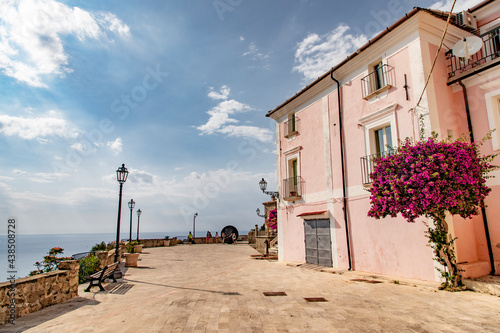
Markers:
point(106, 258)
point(260, 243)
point(152, 242)
point(37, 292)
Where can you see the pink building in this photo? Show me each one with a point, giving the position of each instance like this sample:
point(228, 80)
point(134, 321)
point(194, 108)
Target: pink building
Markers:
point(329, 132)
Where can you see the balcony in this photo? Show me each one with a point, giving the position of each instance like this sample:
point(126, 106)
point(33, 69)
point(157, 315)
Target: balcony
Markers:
point(487, 57)
point(376, 82)
point(292, 188)
point(291, 127)
point(368, 164)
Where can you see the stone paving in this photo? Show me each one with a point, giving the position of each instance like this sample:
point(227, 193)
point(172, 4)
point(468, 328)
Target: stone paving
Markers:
point(218, 288)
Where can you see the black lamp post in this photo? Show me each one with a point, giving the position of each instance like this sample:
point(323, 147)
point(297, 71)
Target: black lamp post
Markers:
point(131, 205)
point(263, 186)
point(139, 212)
point(194, 226)
point(258, 213)
point(121, 176)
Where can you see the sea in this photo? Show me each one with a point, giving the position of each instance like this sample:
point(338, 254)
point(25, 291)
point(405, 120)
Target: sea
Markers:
point(32, 248)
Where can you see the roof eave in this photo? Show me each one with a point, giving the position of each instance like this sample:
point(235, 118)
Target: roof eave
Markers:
point(406, 17)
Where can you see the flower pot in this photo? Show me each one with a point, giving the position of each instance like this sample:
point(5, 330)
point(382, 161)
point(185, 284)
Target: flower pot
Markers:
point(138, 248)
point(131, 259)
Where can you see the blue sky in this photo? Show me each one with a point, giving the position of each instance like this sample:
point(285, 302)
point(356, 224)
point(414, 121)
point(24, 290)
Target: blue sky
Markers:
point(176, 90)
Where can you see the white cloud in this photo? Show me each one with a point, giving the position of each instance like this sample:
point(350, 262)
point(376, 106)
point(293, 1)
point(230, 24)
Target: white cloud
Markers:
point(258, 133)
point(316, 54)
point(39, 177)
point(222, 94)
point(255, 53)
point(31, 31)
point(219, 118)
point(139, 176)
point(242, 38)
point(35, 128)
point(219, 115)
point(116, 146)
point(459, 6)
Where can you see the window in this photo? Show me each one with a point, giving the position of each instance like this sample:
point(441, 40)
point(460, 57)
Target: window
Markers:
point(291, 125)
point(293, 178)
point(292, 182)
point(376, 81)
point(383, 140)
point(381, 135)
point(379, 79)
point(493, 111)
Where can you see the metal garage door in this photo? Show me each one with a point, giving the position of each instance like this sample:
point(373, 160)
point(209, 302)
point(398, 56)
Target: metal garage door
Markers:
point(318, 242)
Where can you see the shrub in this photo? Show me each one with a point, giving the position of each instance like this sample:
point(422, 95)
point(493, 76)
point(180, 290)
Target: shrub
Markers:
point(88, 266)
point(50, 262)
point(429, 178)
point(99, 247)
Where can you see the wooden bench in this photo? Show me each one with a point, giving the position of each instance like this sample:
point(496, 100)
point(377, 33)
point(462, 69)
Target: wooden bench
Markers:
point(96, 279)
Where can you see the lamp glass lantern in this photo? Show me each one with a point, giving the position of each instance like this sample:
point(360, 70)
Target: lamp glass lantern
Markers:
point(131, 204)
point(122, 174)
point(263, 185)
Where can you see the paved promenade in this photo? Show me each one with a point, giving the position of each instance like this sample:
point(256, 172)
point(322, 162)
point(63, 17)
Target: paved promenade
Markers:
point(218, 288)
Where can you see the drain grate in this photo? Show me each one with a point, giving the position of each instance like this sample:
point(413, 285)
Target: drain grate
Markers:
point(366, 281)
point(274, 293)
point(315, 299)
point(121, 289)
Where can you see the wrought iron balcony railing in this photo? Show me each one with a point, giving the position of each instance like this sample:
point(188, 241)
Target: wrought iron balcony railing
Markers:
point(488, 52)
point(368, 164)
point(292, 188)
point(376, 81)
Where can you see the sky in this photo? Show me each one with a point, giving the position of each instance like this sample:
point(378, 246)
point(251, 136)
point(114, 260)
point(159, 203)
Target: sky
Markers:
point(175, 90)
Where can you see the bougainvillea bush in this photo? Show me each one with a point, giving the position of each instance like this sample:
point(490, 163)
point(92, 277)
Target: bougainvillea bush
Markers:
point(272, 220)
point(429, 178)
point(50, 262)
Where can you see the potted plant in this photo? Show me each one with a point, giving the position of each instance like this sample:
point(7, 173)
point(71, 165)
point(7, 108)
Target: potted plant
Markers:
point(137, 246)
point(166, 241)
point(131, 257)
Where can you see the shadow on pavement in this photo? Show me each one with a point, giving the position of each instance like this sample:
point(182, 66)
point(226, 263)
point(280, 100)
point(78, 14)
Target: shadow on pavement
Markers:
point(186, 288)
point(36, 318)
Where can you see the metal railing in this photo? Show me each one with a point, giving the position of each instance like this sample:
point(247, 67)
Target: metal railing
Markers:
point(292, 187)
point(368, 164)
point(375, 80)
point(488, 52)
point(291, 126)
point(78, 256)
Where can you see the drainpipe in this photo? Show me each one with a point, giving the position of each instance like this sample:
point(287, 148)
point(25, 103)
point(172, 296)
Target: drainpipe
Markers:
point(483, 210)
point(343, 174)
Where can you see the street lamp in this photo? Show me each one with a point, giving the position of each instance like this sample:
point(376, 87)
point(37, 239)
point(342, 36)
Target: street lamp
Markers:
point(131, 205)
point(121, 177)
point(194, 226)
point(138, 218)
point(263, 186)
point(258, 213)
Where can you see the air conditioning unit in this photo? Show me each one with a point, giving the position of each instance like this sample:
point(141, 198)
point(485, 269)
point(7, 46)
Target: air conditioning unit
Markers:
point(466, 19)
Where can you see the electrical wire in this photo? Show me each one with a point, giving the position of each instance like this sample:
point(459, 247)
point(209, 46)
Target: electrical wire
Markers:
point(437, 52)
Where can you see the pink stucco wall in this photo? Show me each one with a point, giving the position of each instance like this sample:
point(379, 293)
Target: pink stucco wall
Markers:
point(388, 246)
point(471, 246)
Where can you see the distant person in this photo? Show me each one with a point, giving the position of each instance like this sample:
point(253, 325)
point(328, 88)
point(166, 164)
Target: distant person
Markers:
point(190, 237)
point(208, 237)
point(216, 237)
point(223, 235)
point(233, 236)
